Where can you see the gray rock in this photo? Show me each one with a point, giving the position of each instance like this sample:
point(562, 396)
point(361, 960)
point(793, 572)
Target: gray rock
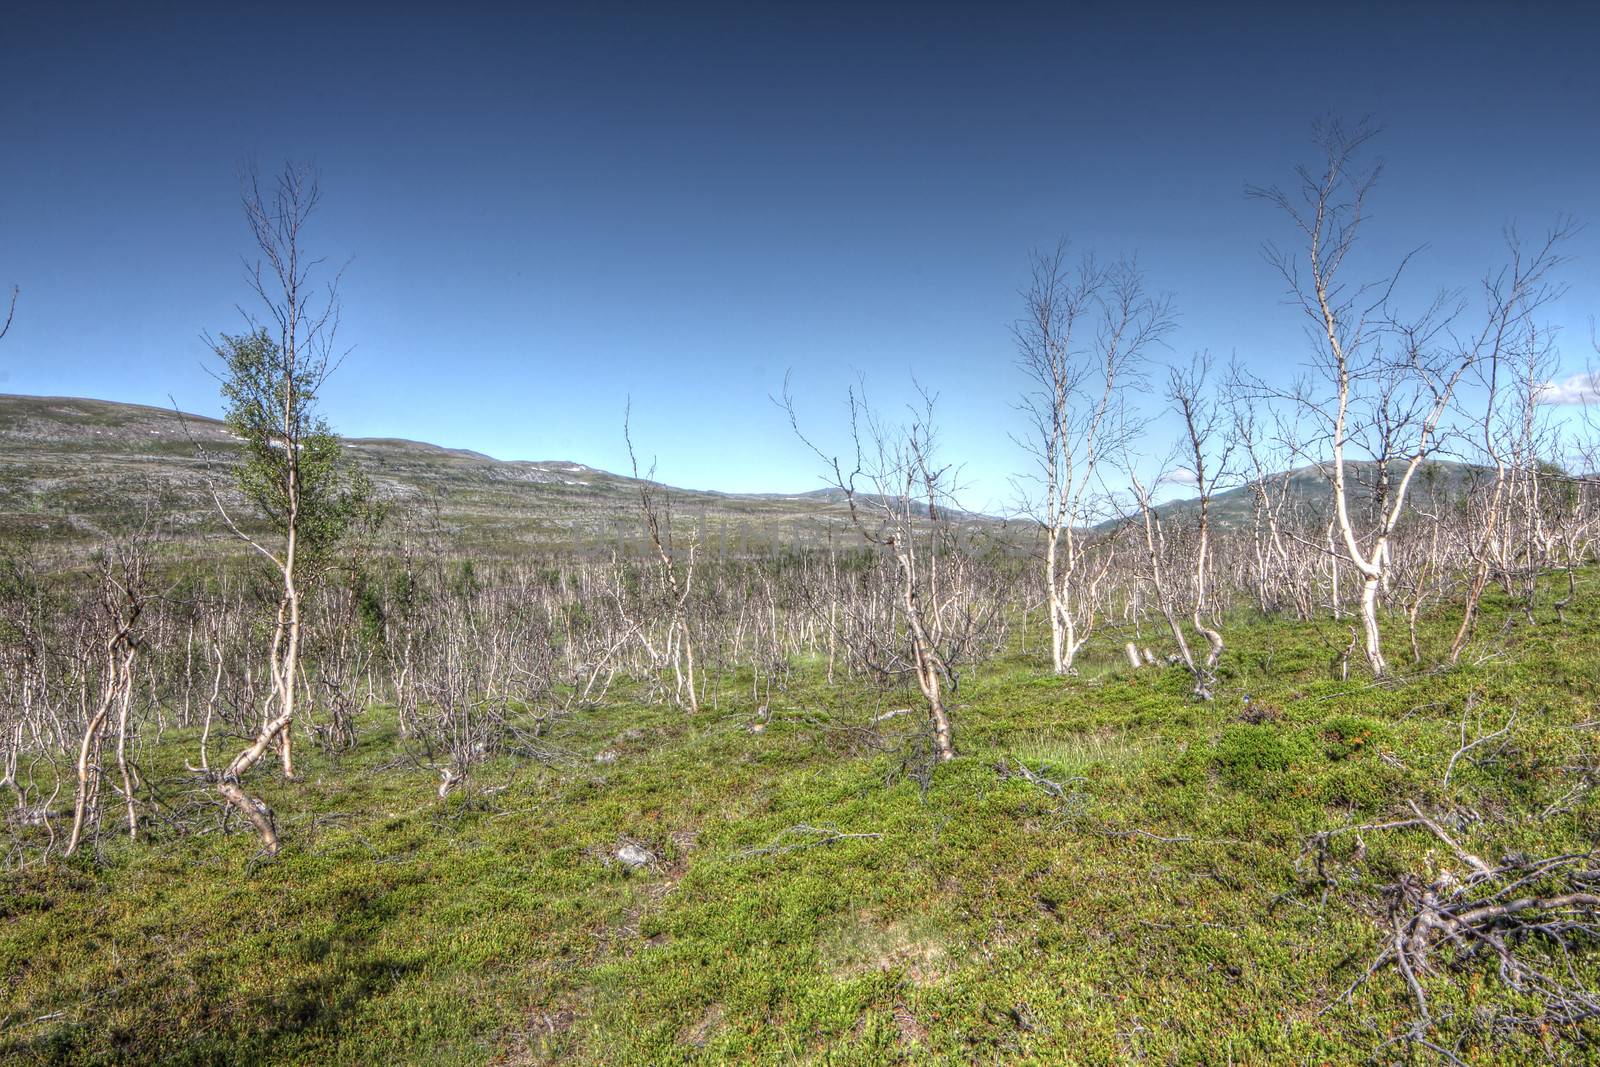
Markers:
point(633, 856)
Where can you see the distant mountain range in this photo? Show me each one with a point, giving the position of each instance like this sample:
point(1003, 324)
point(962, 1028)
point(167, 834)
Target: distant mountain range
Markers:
point(1309, 491)
point(72, 470)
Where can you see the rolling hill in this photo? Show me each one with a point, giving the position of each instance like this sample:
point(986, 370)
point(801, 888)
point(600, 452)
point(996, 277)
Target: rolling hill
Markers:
point(73, 469)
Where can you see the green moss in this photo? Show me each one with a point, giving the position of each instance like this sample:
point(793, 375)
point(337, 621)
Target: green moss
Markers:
point(1251, 756)
point(1166, 914)
point(1345, 735)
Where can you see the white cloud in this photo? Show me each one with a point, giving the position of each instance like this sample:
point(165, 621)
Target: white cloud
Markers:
point(1178, 476)
point(1580, 388)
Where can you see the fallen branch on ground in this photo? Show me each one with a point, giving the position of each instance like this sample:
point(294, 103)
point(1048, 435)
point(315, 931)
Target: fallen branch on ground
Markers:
point(1531, 917)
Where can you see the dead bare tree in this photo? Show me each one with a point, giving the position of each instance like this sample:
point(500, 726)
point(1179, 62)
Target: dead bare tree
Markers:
point(1083, 339)
point(1268, 444)
point(676, 577)
point(124, 592)
point(1328, 212)
point(1375, 381)
point(899, 499)
point(1186, 391)
point(27, 667)
point(1160, 582)
point(1511, 342)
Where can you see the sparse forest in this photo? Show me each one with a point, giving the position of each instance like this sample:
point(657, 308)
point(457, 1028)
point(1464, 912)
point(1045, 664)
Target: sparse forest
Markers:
point(1264, 729)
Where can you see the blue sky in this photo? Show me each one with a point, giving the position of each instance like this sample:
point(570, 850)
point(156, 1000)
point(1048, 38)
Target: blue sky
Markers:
point(547, 212)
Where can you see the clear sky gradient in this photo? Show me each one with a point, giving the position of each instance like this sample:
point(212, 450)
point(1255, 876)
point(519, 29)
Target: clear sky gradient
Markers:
point(548, 211)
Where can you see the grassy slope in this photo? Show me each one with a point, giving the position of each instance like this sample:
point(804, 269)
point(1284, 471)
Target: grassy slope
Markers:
point(72, 470)
point(988, 921)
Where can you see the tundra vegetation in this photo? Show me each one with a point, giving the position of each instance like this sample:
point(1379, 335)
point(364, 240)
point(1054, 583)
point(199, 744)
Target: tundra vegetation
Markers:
point(1278, 743)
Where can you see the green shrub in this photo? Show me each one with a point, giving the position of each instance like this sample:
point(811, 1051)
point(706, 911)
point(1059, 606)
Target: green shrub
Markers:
point(1367, 785)
point(1346, 735)
point(1252, 757)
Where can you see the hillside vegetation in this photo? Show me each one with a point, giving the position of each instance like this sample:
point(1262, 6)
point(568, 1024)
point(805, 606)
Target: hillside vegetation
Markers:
point(1109, 872)
point(73, 469)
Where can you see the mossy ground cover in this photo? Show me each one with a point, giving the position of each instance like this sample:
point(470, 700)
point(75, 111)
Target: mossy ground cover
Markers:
point(1160, 909)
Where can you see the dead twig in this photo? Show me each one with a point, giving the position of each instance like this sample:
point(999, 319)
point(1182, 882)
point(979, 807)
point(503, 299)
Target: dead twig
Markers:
point(1481, 739)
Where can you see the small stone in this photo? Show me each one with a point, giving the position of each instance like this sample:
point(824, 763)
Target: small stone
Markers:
point(633, 856)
